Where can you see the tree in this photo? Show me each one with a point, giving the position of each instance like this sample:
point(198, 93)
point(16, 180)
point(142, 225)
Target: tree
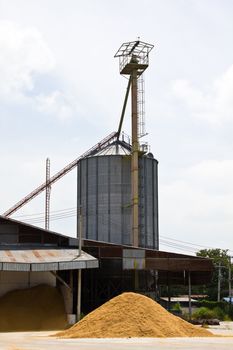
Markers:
point(219, 257)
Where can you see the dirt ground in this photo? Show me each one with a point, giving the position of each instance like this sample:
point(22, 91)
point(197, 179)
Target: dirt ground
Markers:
point(42, 341)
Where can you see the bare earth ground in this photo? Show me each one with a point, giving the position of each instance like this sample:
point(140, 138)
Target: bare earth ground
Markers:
point(42, 341)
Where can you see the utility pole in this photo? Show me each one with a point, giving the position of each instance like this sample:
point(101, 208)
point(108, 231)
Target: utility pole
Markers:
point(229, 280)
point(219, 281)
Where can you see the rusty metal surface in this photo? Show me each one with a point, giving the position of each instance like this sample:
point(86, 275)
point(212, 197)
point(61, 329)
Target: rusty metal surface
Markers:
point(154, 259)
point(45, 260)
point(178, 264)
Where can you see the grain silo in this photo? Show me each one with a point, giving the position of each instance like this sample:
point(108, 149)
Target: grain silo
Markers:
point(117, 186)
point(104, 193)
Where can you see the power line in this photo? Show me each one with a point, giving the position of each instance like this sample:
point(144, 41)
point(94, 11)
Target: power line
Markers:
point(66, 213)
point(42, 213)
point(192, 244)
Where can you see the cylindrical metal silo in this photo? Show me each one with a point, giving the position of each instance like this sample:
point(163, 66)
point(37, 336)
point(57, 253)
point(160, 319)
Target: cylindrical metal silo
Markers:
point(104, 193)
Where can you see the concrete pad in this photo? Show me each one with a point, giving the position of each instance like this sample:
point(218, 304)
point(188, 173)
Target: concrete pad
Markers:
point(43, 341)
point(225, 328)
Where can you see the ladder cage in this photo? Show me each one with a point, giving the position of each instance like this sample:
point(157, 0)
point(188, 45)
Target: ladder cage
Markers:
point(133, 52)
point(141, 106)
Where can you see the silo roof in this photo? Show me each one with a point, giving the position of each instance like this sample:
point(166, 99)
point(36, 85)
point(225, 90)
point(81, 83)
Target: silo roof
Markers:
point(115, 148)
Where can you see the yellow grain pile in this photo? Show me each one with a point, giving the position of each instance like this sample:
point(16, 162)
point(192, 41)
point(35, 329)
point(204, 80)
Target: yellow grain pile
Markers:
point(37, 308)
point(132, 315)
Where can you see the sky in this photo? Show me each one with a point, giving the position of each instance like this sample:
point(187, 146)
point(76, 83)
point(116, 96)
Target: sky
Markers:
point(61, 93)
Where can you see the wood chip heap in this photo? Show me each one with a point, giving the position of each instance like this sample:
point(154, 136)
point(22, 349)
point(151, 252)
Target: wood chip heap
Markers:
point(37, 308)
point(132, 315)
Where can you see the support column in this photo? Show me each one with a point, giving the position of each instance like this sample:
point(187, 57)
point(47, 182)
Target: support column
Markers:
point(80, 231)
point(79, 289)
point(71, 291)
point(169, 291)
point(190, 303)
point(134, 160)
point(156, 277)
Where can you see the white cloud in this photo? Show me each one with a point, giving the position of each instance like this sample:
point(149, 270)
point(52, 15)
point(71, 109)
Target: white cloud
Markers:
point(200, 202)
point(24, 54)
point(213, 103)
point(211, 176)
point(55, 103)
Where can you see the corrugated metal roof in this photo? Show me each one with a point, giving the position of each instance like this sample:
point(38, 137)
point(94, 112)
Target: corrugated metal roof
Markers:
point(178, 299)
point(3, 219)
point(120, 148)
point(45, 260)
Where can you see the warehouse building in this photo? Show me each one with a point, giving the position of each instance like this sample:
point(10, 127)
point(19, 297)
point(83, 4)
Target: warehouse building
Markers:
point(30, 256)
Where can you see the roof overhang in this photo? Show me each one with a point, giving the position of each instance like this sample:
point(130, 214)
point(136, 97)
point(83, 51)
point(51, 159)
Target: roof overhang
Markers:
point(170, 266)
point(45, 260)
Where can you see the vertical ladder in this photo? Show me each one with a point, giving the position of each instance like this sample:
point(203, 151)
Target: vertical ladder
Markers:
point(47, 194)
point(141, 107)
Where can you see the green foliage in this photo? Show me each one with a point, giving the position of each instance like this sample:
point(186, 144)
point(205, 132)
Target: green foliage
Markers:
point(227, 318)
point(230, 311)
point(213, 304)
point(176, 307)
point(220, 258)
point(220, 313)
point(203, 313)
point(82, 315)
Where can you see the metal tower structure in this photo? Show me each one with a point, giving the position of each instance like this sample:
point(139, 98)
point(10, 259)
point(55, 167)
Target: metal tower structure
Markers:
point(47, 194)
point(133, 61)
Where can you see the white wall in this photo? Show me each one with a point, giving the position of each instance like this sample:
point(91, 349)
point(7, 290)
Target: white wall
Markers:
point(11, 280)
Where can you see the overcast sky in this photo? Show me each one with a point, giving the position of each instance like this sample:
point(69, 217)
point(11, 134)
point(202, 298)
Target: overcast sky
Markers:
point(61, 92)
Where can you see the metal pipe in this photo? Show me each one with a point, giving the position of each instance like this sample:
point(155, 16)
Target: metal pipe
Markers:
point(60, 279)
point(124, 108)
point(134, 159)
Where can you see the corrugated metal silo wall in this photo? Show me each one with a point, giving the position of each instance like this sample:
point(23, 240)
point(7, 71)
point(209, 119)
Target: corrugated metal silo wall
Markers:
point(148, 202)
point(104, 192)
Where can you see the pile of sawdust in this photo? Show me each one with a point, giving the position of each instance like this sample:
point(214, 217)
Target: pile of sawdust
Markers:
point(132, 315)
point(37, 308)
